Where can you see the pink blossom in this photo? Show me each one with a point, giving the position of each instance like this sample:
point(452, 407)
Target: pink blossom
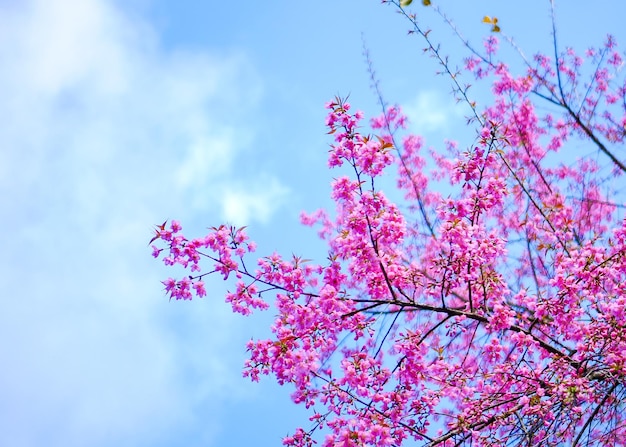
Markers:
point(484, 304)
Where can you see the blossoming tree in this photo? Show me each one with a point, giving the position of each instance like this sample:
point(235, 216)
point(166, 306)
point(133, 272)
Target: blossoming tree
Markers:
point(492, 315)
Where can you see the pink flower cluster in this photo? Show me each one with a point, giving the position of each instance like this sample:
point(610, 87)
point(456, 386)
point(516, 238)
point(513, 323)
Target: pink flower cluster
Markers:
point(228, 244)
point(491, 315)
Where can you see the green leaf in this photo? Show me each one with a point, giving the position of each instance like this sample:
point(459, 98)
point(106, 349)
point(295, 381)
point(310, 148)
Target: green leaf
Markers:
point(404, 3)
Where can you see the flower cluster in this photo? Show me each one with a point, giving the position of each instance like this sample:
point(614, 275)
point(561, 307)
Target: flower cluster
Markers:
point(493, 314)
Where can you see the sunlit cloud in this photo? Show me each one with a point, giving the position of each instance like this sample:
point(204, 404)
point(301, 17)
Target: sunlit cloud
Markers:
point(103, 133)
point(430, 111)
point(242, 205)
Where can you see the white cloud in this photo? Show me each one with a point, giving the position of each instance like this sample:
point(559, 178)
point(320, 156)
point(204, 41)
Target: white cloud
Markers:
point(430, 111)
point(104, 132)
point(242, 205)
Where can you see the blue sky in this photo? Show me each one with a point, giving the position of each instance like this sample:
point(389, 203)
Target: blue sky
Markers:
point(117, 115)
